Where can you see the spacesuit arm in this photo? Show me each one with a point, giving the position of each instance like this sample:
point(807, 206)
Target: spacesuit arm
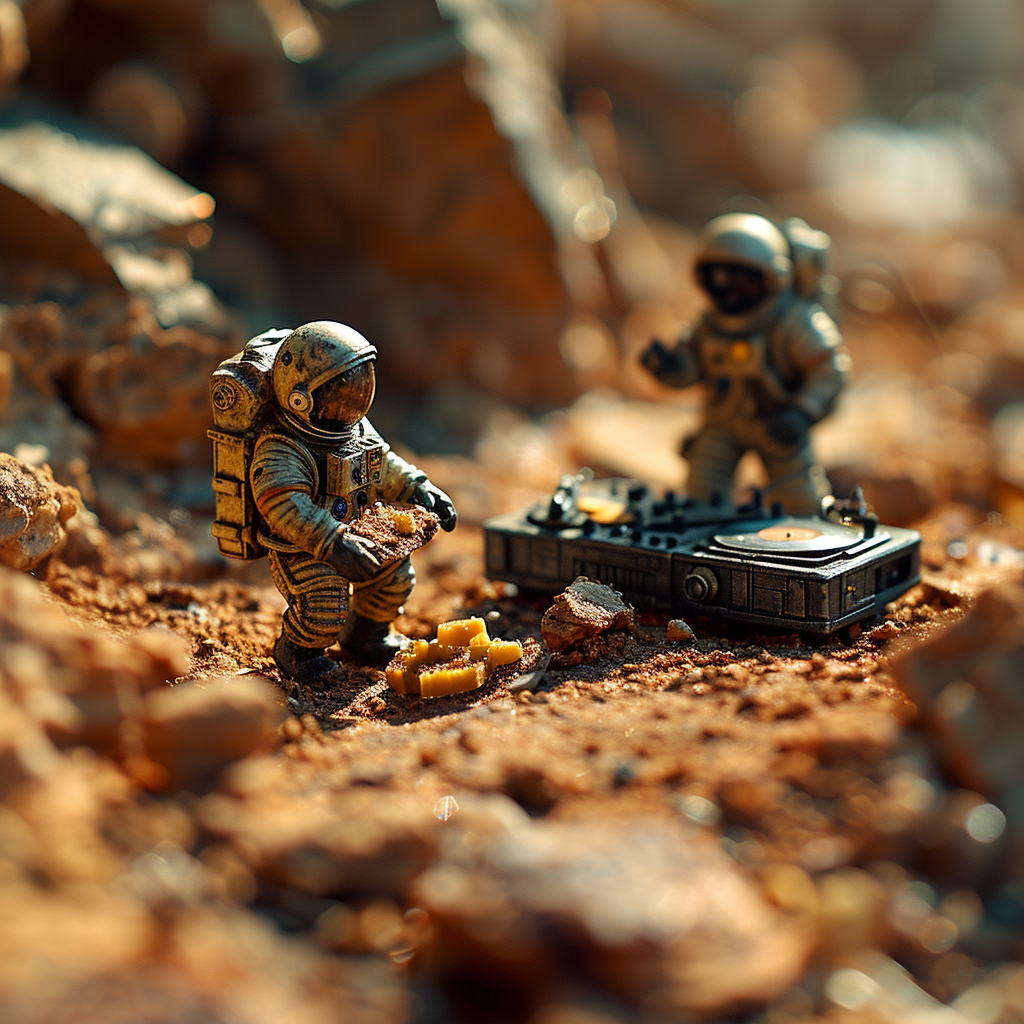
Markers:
point(402, 481)
point(817, 353)
point(284, 481)
point(677, 365)
point(400, 478)
point(410, 484)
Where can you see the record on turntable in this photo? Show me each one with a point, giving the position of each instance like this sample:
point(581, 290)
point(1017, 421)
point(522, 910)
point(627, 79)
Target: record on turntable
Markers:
point(797, 537)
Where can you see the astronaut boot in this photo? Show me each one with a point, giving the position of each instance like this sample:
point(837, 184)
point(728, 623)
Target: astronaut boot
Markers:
point(308, 666)
point(370, 642)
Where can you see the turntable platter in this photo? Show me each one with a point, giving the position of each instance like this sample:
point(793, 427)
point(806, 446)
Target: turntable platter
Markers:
point(793, 537)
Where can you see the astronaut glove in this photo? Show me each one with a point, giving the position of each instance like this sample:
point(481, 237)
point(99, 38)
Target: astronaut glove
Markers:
point(433, 499)
point(354, 557)
point(676, 365)
point(660, 360)
point(789, 427)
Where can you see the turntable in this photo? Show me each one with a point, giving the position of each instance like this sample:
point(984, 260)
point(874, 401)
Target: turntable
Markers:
point(678, 555)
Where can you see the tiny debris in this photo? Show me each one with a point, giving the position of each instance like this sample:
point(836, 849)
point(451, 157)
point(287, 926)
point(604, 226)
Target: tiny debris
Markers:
point(679, 632)
point(446, 808)
point(531, 680)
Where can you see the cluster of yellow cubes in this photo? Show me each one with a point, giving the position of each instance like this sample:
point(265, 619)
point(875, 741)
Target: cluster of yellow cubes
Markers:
point(411, 671)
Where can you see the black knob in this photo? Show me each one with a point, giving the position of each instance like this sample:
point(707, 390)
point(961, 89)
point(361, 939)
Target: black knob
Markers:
point(701, 585)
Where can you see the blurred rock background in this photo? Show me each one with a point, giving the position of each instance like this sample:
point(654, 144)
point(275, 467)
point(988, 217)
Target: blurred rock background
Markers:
point(503, 196)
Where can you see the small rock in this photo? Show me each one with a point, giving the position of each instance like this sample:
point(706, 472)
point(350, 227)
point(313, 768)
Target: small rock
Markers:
point(194, 730)
point(66, 685)
point(529, 681)
point(33, 511)
point(674, 926)
point(583, 611)
point(680, 633)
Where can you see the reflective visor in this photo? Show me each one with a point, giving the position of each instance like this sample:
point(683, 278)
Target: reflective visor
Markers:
point(345, 399)
point(733, 288)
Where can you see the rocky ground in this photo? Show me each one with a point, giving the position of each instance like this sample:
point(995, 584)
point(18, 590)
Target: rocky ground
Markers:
point(741, 825)
point(504, 198)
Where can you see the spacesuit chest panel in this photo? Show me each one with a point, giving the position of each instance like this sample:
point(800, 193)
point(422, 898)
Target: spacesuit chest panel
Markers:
point(730, 362)
point(733, 357)
point(353, 478)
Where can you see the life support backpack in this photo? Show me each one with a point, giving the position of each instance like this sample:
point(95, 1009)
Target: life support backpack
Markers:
point(809, 251)
point(242, 397)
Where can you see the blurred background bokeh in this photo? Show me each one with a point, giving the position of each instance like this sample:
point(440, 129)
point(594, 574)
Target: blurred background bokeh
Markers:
point(503, 197)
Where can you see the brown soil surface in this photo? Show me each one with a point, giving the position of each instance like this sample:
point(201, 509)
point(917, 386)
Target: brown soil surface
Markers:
point(784, 759)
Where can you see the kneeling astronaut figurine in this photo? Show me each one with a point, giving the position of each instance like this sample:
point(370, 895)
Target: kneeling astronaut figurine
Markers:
point(772, 355)
point(296, 461)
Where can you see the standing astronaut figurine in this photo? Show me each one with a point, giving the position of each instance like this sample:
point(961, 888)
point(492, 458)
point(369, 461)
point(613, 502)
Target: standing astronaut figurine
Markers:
point(295, 462)
point(771, 354)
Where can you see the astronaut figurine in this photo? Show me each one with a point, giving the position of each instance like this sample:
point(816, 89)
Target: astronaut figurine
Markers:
point(292, 411)
point(772, 356)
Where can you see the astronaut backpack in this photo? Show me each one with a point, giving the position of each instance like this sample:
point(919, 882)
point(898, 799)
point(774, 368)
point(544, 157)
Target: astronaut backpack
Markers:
point(809, 251)
point(241, 394)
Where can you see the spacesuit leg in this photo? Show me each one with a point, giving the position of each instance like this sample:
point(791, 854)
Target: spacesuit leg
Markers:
point(317, 599)
point(381, 598)
point(373, 606)
point(713, 455)
point(795, 480)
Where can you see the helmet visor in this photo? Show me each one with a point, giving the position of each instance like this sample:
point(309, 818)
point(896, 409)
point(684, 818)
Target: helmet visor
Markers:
point(733, 287)
point(345, 399)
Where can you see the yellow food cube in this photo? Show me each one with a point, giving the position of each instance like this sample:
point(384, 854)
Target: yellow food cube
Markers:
point(440, 682)
point(415, 654)
point(437, 651)
point(403, 680)
point(478, 647)
point(459, 632)
point(503, 652)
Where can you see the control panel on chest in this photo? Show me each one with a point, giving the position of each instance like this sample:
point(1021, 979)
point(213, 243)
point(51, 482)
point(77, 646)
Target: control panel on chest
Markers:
point(734, 357)
point(353, 478)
